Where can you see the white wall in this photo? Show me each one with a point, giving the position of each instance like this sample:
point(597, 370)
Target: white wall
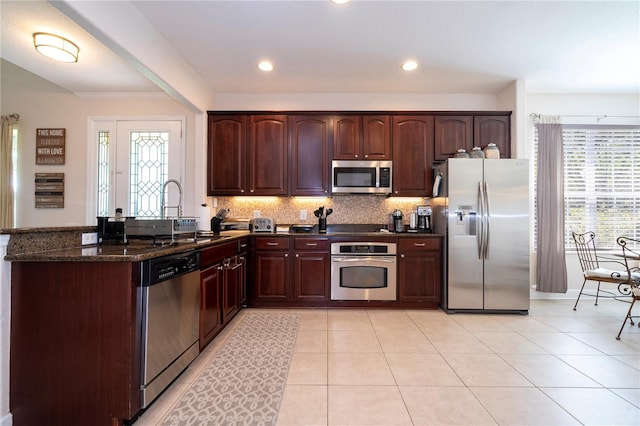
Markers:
point(41, 104)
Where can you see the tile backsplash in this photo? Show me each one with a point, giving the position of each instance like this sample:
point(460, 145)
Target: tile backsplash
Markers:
point(364, 209)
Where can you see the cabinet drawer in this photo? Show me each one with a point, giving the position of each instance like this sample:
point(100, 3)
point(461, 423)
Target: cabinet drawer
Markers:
point(243, 245)
point(272, 243)
point(214, 254)
point(312, 244)
point(406, 245)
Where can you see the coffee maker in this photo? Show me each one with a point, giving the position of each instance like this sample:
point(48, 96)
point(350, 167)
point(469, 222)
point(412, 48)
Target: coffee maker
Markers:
point(424, 218)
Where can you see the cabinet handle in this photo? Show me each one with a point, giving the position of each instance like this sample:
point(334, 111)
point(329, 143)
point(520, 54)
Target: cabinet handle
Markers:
point(418, 244)
point(251, 190)
point(242, 190)
point(237, 265)
point(286, 255)
point(356, 155)
point(366, 156)
point(271, 243)
point(402, 256)
point(311, 244)
point(297, 255)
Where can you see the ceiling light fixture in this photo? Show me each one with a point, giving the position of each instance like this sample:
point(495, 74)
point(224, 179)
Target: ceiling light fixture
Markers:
point(339, 1)
point(410, 65)
point(56, 47)
point(265, 66)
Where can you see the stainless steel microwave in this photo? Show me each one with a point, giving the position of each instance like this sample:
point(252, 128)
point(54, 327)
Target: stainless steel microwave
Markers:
point(361, 177)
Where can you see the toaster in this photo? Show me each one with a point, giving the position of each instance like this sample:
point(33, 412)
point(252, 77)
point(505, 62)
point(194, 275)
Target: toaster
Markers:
point(261, 224)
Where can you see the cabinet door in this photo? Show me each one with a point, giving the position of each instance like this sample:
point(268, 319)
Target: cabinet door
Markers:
point(272, 276)
point(309, 139)
point(226, 155)
point(451, 134)
point(412, 155)
point(268, 155)
point(376, 137)
point(493, 129)
point(230, 289)
point(242, 285)
point(419, 277)
point(210, 304)
point(347, 138)
point(311, 277)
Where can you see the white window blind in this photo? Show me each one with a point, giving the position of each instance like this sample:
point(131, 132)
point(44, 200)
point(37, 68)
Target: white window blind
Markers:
point(602, 182)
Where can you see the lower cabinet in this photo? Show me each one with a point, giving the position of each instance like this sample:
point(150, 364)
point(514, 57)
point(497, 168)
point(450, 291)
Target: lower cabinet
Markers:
point(222, 282)
point(272, 269)
point(420, 270)
point(210, 303)
point(311, 271)
point(291, 271)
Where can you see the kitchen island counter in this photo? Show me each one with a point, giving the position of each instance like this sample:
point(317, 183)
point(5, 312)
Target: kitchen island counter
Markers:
point(136, 250)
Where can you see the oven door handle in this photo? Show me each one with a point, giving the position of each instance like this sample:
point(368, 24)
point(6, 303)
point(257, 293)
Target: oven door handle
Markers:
point(368, 259)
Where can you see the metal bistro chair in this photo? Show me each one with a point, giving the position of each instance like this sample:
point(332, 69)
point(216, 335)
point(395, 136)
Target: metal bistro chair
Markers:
point(632, 285)
point(592, 269)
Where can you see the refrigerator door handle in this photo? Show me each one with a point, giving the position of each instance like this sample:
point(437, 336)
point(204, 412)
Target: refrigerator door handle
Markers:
point(480, 221)
point(487, 210)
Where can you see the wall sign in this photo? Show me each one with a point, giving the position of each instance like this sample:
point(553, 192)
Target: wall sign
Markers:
point(49, 190)
point(50, 146)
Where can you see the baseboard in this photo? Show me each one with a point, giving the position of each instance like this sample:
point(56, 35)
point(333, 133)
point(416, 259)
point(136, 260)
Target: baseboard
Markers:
point(6, 420)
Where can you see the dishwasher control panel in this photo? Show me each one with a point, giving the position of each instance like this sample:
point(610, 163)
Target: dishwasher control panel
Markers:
point(167, 267)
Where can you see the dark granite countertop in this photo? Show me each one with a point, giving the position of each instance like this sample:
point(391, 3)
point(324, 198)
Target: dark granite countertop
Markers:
point(139, 250)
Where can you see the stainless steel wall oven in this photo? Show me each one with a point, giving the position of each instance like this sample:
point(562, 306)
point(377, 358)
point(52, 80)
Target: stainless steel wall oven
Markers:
point(363, 271)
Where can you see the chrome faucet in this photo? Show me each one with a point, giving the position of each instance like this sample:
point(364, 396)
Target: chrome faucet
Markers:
point(163, 207)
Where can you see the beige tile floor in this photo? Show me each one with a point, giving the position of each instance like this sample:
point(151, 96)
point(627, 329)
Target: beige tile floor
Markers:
point(414, 367)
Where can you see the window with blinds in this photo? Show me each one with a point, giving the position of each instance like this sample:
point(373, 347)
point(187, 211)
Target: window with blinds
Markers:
point(601, 182)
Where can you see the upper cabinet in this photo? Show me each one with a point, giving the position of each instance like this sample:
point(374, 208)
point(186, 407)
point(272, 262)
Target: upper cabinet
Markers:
point(452, 132)
point(412, 155)
point(268, 155)
point(362, 137)
point(309, 145)
point(493, 129)
point(290, 153)
point(227, 155)
point(247, 155)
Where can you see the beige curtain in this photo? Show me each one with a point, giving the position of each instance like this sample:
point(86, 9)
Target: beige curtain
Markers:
point(6, 170)
point(551, 267)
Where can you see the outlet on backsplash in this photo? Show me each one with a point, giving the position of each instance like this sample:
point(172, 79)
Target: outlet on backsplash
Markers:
point(256, 213)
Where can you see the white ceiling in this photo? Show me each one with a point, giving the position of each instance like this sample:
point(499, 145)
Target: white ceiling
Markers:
point(319, 47)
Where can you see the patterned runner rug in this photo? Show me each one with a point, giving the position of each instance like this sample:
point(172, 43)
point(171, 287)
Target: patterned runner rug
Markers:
point(244, 381)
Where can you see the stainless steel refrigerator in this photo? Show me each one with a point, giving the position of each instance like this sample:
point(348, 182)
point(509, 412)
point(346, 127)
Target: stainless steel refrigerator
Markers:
point(482, 207)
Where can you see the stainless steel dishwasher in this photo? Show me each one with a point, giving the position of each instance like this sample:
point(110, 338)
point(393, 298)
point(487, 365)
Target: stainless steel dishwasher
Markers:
point(170, 306)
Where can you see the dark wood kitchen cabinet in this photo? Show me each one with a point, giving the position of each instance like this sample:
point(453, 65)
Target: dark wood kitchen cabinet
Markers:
point(311, 270)
point(268, 156)
point(362, 137)
point(227, 155)
point(451, 133)
point(220, 289)
point(247, 155)
point(75, 343)
point(493, 129)
point(271, 269)
point(243, 248)
point(309, 145)
point(412, 155)
point(420, 270)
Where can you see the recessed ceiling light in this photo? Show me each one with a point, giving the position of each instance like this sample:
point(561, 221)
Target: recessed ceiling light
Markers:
point(410, 65)
point(265, 66)
point(339, 1)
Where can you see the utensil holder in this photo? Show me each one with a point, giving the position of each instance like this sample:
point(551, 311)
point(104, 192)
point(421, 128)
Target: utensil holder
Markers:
point(322, 225)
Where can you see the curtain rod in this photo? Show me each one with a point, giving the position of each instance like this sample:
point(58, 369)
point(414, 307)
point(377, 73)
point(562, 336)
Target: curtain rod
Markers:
point(536, 116)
